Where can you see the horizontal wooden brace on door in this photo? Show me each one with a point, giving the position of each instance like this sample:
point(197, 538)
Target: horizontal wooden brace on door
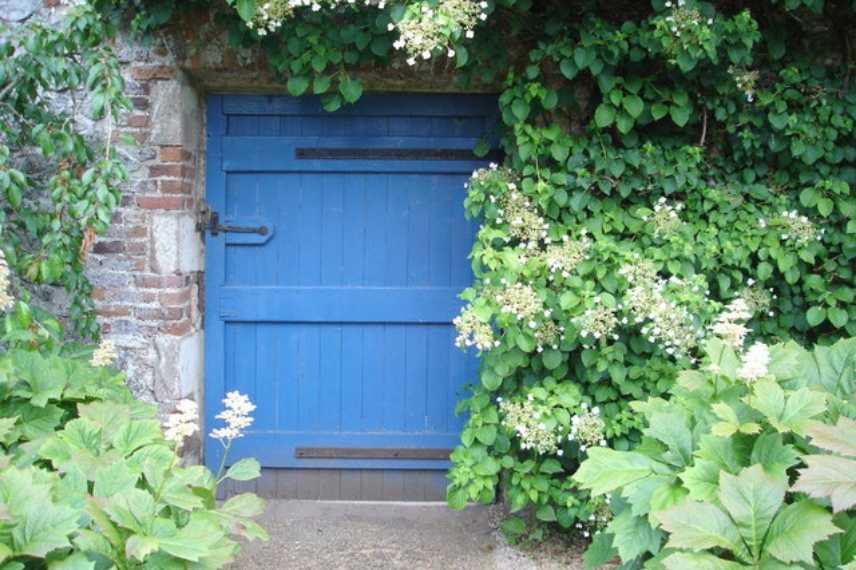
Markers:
point(370, 453)
point(327, 153)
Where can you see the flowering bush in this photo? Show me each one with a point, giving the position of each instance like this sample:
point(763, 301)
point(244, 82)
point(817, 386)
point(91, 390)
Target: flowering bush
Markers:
point(712, 483)
point(87, 476)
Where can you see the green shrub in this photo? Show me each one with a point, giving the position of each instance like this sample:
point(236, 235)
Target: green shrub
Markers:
point(88, 479)
point(715, 482)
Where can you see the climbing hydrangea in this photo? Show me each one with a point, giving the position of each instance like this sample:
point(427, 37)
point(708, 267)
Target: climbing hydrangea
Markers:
point(472, 331)
point(526, 224)
point(564, 256)
point(797, 228)
point(598, 322)
point(527, 420)
point(427, 28)
point(587, 428)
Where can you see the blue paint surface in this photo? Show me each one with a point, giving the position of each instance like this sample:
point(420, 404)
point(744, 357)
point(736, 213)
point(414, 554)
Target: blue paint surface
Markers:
point(337, 323)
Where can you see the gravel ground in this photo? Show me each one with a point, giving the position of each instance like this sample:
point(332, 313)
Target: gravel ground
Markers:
point(307, 535)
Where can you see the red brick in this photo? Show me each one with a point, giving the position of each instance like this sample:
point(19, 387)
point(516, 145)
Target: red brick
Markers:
point(173, 154)
point(160, 281)
point(137, 232)
point(159, 314)
point(99, 293)
point(175, 298)
point(114, 311)
point(140, 103)
point(160, 202)
point(175, 187)
point(180, 328)
point(137, 121)
point(166, 170)
point(106, 247)
point(136, 247)
point(146, 72)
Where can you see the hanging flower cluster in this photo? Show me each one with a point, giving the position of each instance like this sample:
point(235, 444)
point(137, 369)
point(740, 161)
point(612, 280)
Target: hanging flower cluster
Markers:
point(526, 224)
point(664, 322)
point(598, 322)
point(427, 29)
point(730, 326)
point(563, 257)
point(758, 299)
point(472, 331)
point(272, 14)
point(236, 415)
point(686, 23)
point(527, 419)
point(587, 428)
point(104, 355)
point(601, 514)
point(6, 298)
point(521, 301)
point(182, 423)
point(797, 229)
point(745, 81)
point(547, 334)
point(755, 362)
point(665, 219)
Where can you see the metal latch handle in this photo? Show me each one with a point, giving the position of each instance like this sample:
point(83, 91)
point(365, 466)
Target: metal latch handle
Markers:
point(212, 225)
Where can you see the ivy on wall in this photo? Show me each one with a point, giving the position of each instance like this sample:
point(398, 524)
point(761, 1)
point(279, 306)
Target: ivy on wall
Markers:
point(674, 170)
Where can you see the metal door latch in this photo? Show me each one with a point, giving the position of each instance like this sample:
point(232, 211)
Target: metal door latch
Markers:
point(211, 223)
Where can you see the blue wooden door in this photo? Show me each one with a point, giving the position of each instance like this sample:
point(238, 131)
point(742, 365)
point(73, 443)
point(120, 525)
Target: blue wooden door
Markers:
point(337, 321)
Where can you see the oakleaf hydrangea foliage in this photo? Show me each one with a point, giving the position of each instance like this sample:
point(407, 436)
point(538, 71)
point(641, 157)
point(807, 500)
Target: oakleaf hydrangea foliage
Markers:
point(675, 171)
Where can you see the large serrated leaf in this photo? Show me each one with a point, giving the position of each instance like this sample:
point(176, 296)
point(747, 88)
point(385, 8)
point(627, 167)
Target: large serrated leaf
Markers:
point(752, 498)
point(796, 529)
point(831, 477)
point(607, 469)
point(699, 561)
point(634, 536)
point(840, 438)
point(699, 526)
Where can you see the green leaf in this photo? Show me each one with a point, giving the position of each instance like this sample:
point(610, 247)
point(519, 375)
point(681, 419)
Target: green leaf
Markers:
point(569, 68)
point(140, 546)
point(245, 505)
point(791, 412)
point(194, 541)
point(634, 536)
point(551, 466)
point(546, 513)
point(321, 84)
point(633, 105)
point(457, 499)
point(796, 529)
point(773, 455)
point(351, 89)
point(133, 435)
point(829, 476)
point(815, 316)
point(658, 111)
point(297, 85)
point(680, 114)
point(246, 469)
point(840, 438)
point(699, 526)
point(837, 316)
point(246, 9)
point(752, 498)
point(552, 358)
point(600, 551)
point(486, 434)
point(604, 115)
point(830, 367)
point(490, 379)
point(520, 108)
point(699, 561)
point(607, 469)
point(114, 478)
point(77, 561)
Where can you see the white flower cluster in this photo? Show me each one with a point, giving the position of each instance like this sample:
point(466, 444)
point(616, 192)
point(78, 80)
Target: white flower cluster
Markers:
point(745, 81)
point(236, 415)
point(472, 331)
point(755, 363)
point(6, 298)
point(730, 326)
point(601, 514)
point(526, 224)
point(758, 299)
point(798, 229)
point(684, 19)
point(547, 333)
point(665, 219)
point(104, 355)
point(526, 420)
point(598, 322)
point(587, 428)
point(664, 322)
point(562, 258)
point(425, 29)
point(271, 14)
point(520, 300)
point(182, 423)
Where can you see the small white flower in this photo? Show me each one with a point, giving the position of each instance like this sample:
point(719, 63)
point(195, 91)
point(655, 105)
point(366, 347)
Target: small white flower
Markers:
point(104, 355)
